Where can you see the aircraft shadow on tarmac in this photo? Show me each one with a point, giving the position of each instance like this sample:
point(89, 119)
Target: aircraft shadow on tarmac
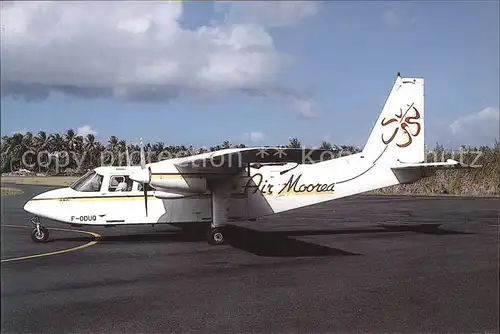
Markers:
point(272, 243)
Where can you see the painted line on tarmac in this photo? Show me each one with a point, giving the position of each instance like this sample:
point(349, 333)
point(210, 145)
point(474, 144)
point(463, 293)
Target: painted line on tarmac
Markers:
point(88, 244)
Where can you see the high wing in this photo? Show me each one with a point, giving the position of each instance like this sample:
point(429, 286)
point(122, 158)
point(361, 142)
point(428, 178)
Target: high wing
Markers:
point(237, 158)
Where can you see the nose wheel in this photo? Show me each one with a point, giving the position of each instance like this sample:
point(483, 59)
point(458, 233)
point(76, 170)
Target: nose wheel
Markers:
point(39, 233)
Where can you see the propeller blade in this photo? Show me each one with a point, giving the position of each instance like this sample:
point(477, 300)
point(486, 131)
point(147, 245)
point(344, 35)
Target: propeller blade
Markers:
point(145, 198)
point(146, 190)
point(142, 176)
point(143, 157)
point(128, 155)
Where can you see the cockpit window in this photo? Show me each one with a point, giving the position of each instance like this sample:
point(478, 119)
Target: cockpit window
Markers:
point(90, 182)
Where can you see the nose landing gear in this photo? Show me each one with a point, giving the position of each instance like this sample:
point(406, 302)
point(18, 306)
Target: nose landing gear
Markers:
point(39, 233)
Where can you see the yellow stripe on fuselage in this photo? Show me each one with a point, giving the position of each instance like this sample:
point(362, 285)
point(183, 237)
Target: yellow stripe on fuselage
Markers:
point(168, 176)
point(187, 176)
point(103, 198)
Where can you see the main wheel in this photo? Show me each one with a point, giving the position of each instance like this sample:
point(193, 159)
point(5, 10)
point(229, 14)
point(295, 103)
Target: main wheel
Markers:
point(41, 236)
point(216, 236)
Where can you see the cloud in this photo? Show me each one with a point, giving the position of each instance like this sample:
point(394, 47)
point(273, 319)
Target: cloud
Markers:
point(86, 130)
point(481, 128)
point(393, 19)
point(304, 107)
point(255, 136)
point(302, 104)
point(135, 51)
point(390, 18)
point(269, 14)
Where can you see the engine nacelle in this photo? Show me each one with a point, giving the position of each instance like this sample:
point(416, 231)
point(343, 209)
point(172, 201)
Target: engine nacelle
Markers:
point(166, 195)
point(180, 185)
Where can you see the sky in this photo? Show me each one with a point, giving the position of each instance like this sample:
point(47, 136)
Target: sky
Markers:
point(259, 73)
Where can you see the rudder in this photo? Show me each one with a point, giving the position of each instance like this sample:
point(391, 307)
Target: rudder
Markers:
point(398, 134)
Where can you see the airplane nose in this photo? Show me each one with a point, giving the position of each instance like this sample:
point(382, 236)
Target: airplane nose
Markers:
point(28, 206)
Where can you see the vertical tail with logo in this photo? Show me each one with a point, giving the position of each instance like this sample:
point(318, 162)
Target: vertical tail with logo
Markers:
point(398, 134)
point(393, 154)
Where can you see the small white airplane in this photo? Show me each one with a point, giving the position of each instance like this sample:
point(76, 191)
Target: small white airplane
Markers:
point(243, 184)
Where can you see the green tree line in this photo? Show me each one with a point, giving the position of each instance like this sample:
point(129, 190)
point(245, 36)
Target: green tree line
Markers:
point(57, 153)
point(71, 154)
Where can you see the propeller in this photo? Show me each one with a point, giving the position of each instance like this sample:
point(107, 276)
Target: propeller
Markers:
point(143, 157)
point(145, 197)
point(143, 166)
point(128, 155)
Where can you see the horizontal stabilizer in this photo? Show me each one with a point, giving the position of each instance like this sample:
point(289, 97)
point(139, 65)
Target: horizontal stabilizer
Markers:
point(409, 173)
point(430, 165)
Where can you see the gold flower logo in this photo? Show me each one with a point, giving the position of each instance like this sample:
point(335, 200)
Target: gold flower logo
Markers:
point(406, 122)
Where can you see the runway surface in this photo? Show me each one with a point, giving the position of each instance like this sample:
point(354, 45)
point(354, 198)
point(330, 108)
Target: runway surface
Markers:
point(327, 269)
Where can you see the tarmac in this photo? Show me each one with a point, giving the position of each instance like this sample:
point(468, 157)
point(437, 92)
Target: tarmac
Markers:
point(433, 267)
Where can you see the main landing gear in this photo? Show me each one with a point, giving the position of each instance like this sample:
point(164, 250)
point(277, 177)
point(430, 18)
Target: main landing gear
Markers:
point(39, 233)
point(215, 236)
point(220, 209)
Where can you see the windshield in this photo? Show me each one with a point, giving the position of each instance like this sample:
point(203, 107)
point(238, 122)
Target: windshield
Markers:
point(90, 182)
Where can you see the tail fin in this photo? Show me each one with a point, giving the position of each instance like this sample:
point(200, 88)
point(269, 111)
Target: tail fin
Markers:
point(398, 135)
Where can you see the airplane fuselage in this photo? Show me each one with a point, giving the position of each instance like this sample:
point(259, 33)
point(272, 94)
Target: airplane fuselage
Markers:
point(240, 184)
point(255, 192)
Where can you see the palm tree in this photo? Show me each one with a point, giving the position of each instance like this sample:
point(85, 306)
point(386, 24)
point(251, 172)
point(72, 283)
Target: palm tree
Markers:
point(159, 146)
point(294, 143)
point(326, 146)
point(79, 153)
point(4, 155)
point(41, 144)
point(97, 156)
point(90, 147)
point(348, 150)
point(112, 142)
point(42, 140)
point(14, 147)
point(71, 143)
point(121, 148)
point(57, 144)
point(28, 150)
point(112, 149)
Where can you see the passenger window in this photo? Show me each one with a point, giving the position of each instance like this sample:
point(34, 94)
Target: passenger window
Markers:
point(120, 183)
